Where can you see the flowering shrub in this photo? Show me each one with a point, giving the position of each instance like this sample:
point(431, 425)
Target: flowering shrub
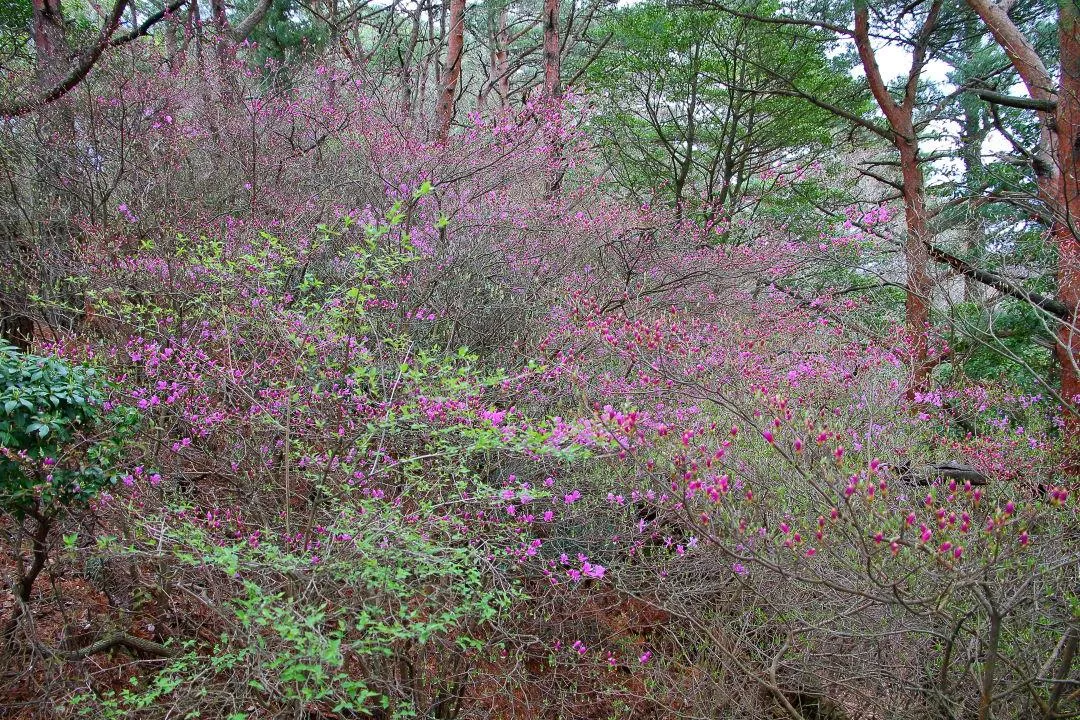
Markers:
point(399, 428)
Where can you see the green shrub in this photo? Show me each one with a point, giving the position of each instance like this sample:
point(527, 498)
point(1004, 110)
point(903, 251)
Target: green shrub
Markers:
point(49, 455)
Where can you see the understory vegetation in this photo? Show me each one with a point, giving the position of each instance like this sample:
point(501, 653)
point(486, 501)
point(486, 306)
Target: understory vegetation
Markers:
point(433, 360)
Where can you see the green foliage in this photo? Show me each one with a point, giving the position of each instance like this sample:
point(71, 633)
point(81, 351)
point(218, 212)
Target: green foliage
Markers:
point(384, 593)
point(47, 408)
point(368, 569)
point(16, 16)
point(692, 101)
point(1009, 343)
point(287, 35)
point(139, 697)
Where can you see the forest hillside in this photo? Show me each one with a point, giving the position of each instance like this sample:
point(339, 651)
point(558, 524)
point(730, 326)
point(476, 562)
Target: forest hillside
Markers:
point(568, 359)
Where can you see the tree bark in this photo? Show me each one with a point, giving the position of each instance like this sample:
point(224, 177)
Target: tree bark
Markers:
point(917, 258)
point(26, 576)
point(1055, 166)
point(244, 27)
point(452, 71)
point(900, 117)
point(1068, 202)
point(552, 50)
point(50, 46)
point(501, 64)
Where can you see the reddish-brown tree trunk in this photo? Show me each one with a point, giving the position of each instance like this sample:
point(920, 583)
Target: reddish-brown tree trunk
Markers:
point(1055, 164)
point(900, 117)
point(1067, 215)
point(917, 258)
point(49, 44)
point(452, 70)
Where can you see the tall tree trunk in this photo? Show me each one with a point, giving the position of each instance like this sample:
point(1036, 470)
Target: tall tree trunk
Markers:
point(900, 117)
point(452, 69)
point(552, 50)
point(917, 258)
point(553, 93)
point(502, 58)
point(172, 42)
point(1055, 165)
point(1067, 218)
point(50, 46)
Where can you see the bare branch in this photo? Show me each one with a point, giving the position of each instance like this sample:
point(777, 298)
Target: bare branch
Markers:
point(241, 31)
point(792, 22)
point(1040, 105)
point(999, 283)
point(89, 58)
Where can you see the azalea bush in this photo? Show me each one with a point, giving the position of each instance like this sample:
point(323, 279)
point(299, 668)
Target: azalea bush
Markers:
point(347, 490)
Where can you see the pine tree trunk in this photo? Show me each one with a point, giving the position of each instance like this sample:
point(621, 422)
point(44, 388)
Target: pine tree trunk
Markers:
point(917, 258)
point(1067, 209)
point(452, 70)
